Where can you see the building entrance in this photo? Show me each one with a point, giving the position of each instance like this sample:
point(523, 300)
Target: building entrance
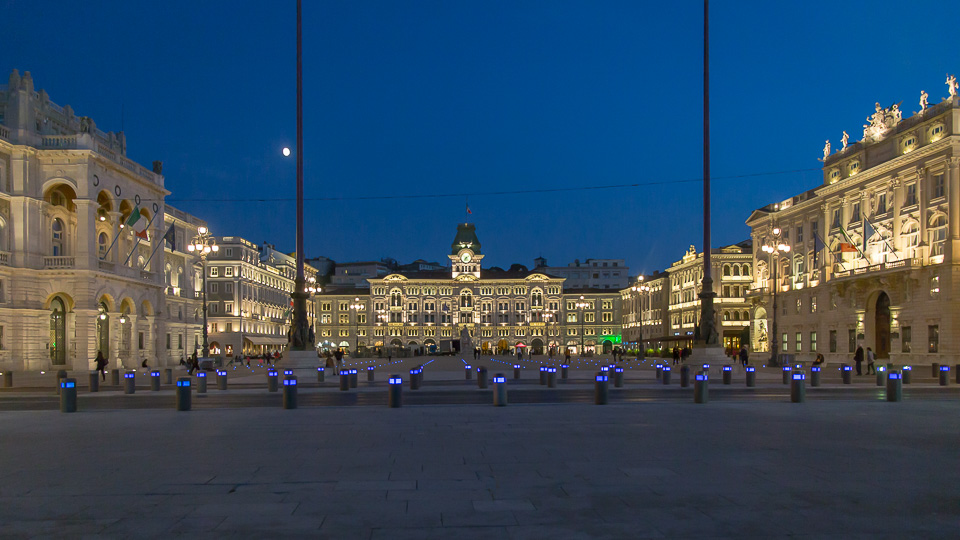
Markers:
point(882, 325)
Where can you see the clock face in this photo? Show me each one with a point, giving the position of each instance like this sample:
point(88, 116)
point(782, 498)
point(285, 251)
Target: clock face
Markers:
point(465, 257)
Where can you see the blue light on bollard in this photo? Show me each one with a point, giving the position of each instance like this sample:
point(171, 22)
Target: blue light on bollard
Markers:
point(68, 385)
point(751, 369)
point(128, 375)
point(201, 374)
point(499, 380)
point(396, 380)
point(846, 368)
point(394, 391)
point(907, 374)
point(288, 372)
point(289, 382)
point(705, 367)
point(894, 376)
point(221, 372)
point(602, 378)
point(666, 375)
point(944, 375)
point(702, 377)
point(183, 383)
point(155, 374)
point(751, 376)
point(727, 368)
point(799, 376)
point(787, 370)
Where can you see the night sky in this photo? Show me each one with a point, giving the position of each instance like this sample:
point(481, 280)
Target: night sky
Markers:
point(406, 100)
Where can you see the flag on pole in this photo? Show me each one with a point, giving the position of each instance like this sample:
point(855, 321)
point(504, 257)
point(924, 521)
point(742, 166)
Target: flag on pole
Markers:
point(134, 217)
point(868, 232)
point(171, 237)
point(818, 246)
point(846, 247)
point(468, 209)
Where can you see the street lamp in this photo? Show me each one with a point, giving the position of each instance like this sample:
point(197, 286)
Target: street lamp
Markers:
point(356, 306)
point(581, 305)
point(204, 244)
point(774, 250)
point(641, 291)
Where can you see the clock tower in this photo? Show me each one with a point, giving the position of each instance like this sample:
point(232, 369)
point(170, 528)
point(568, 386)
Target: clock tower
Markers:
point(465, 255)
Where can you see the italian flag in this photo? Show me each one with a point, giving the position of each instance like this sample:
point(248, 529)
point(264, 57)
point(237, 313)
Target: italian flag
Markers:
point(138, 223)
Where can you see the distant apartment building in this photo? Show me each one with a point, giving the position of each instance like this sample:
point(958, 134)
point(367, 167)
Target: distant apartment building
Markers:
point(590, 274)
point(356, 274)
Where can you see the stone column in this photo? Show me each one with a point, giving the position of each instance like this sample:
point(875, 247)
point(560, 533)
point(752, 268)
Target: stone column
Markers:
point(86, 239)
point(85, 323)
point(952, 252)
point(921, 175)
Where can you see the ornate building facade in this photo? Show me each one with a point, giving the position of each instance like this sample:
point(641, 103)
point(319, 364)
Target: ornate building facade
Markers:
point(468, 306)
point(874, 252)
point(86, 263)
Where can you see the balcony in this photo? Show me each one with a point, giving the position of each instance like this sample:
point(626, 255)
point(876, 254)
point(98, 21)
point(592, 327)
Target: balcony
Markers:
point(882, 267)
point(58, 262)
point(4, 258)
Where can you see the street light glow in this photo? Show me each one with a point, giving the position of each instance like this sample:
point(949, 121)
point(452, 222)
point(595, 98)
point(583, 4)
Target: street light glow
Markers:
point(286, 152)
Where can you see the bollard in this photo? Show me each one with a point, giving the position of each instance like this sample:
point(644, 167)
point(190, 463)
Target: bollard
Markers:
point(601, 389)
point(221, 379)
point(115, 377)
point(906, 374)
point(751, 376)
point(481, 377)
point(201, 382)
point(516, 371)
point(944, 375)
point(183, 394)
point(155, 381)
point(618, 377)
point(94, 381)
point(414, 380)
point(551, 377)
point(168, 376)
point(684, 376)
point(370, 376)
point(321, 374)
point(815, 376)
point(659, 371)
point(289, 391)
point(564, 371)
point(935, 368)
point(272, 381)
point(543, 375)
point(129, 382)
point(727, 374)
point(394, 391)
point(353, 378)
point(499, 390)
point(68, 395)
point(787, 370)
point(8, 379)
point(344, 380)
point(666, 375)
point(467, 372)
point(894, 386)
point(846, 373)
point(881, 372)
point(798, 389)
point(701, 388)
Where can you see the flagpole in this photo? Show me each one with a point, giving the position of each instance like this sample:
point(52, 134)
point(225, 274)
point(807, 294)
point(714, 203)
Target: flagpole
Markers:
point(160, 243)
point(137, 243)
point(115, 238)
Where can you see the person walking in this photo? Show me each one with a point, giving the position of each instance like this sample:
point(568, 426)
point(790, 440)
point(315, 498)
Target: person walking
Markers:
point(819, 361)
point(870, 358)
point(101, 363)
point(858, 358)
point(338, 354)
point(744, 355)
point(676, 355)
point(566, 357)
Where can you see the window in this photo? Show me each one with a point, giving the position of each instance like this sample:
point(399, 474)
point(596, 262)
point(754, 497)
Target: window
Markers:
point(229, 327)
point(938, 234)
point(102, 244)
point(344, 318)
point(214, 271)
point(938, 189)
point(813, 304)
point(588, 317)
point(911, 197)
point(935, 287)
point(214, 287)
point(180, 341)
point(851, 340)
point(228, 287)
point(905, 338)
point(855, 214)
point(325, 318)
point(933, 338)
point(228, 307)
point(800, 233)
point(784, 343)
point(833, 341)
point(799, 305)
point(813, 342)
point(140, 340)
point(607, 317)
point(836, 219)
point(607, 304)
point(799, 341)
point(882, 203)
point(215, 307)
point(325, 306)
point(361, 318)
point(343, 306)
point(57, 233)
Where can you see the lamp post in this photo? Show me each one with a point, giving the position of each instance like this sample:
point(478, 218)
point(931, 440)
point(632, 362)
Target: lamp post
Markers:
point(581, 304)
point(204, 244)
point(356, 306)
point(641, 291)
point(774, 249)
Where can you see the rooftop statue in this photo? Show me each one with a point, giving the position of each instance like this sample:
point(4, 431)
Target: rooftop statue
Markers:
point(951, 85)
point(844, 139)
point(923, 101)
point(826, 150)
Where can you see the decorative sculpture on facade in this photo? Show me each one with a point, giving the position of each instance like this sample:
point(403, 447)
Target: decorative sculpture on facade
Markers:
point(881, 121)
point(844, 139)
point(826, 150)
point(923, 101)
point(951, 85)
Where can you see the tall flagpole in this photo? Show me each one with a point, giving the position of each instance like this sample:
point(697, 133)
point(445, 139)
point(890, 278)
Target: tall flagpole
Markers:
point(299, 333)
point(708, 327)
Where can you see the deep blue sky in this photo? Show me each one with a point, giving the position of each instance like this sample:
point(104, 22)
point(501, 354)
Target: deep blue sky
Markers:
point(416, 98)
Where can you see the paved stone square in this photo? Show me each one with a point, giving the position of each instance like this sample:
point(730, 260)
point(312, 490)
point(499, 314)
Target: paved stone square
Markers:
point(831, 469)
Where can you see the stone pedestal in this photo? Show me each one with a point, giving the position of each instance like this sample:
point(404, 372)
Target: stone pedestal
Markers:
point(713, 355)
point(300, 360)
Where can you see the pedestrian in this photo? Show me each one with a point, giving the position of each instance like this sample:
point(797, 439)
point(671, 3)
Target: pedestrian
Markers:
point(338, 354)
point(144, 363)
point(519, 354)
point(858, 358)
point(101, 364)
point(819, 361)
point(870, 358)
point(676, 355)
point(566, 357)
point(183, 360)
point(744, 355)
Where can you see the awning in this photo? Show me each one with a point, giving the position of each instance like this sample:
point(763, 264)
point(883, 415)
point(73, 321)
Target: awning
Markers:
point(266, 340)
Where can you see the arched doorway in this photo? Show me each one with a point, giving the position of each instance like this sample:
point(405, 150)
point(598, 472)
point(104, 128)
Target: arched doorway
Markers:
point(607, 346)
point(103, 330)
point(882, 326)
point(503, 347)
point(58, 332)
point(537, 346)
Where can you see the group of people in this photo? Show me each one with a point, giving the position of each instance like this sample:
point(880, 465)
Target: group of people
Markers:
point(859, 356)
